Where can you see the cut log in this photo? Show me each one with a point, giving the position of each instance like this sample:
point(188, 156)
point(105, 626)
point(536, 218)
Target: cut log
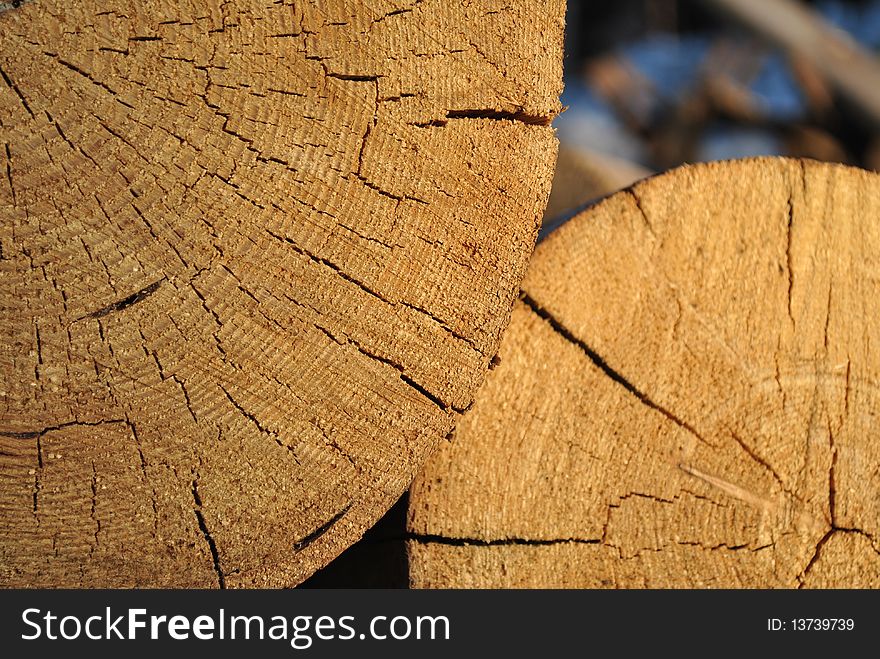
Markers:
point(255, 258)
point(687, 397)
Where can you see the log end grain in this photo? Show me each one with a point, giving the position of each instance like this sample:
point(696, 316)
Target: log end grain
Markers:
point(686, 396)
point(254, 259)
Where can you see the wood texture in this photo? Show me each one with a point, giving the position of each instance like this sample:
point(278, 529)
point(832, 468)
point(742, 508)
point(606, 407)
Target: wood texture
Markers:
point(687, 396)
point(255, 258)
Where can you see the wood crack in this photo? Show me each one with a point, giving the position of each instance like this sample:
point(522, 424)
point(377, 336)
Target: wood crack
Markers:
point(38, 435)
point(73, 147)
point(443, 325)
point(388, 362)
point(335, 268)
point(832, 488)
point(87, 76)
point(126, 302)
point(94, 506)
point(329, 264)
point(34, 434)
point(761, 461)
point(501, 115)
point(212, 546)
point(304, 542)
point(253, 419)
point(9, 173)
point(17, 91)
point(788, 257)
point(498, 542)
point(638, 202)
point(599, 362)
point(801, 579)
point(147, 480)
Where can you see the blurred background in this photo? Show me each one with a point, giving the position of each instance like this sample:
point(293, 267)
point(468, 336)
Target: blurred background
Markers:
point(652, 84)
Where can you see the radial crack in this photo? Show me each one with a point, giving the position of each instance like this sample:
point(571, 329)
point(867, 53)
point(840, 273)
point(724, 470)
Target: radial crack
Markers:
point(126, 302)
point(501, 115)
point(97, 83)
point(803, 575)
point(347, 340)
point(253, 419)
point(304, 542)
point(638, 202)
point(9, 174)
point(788, 258)
point(761, 461)
point(212, 546)
point(498, 542)
point(17, 91)
point(36, 434)
point(597, 360)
